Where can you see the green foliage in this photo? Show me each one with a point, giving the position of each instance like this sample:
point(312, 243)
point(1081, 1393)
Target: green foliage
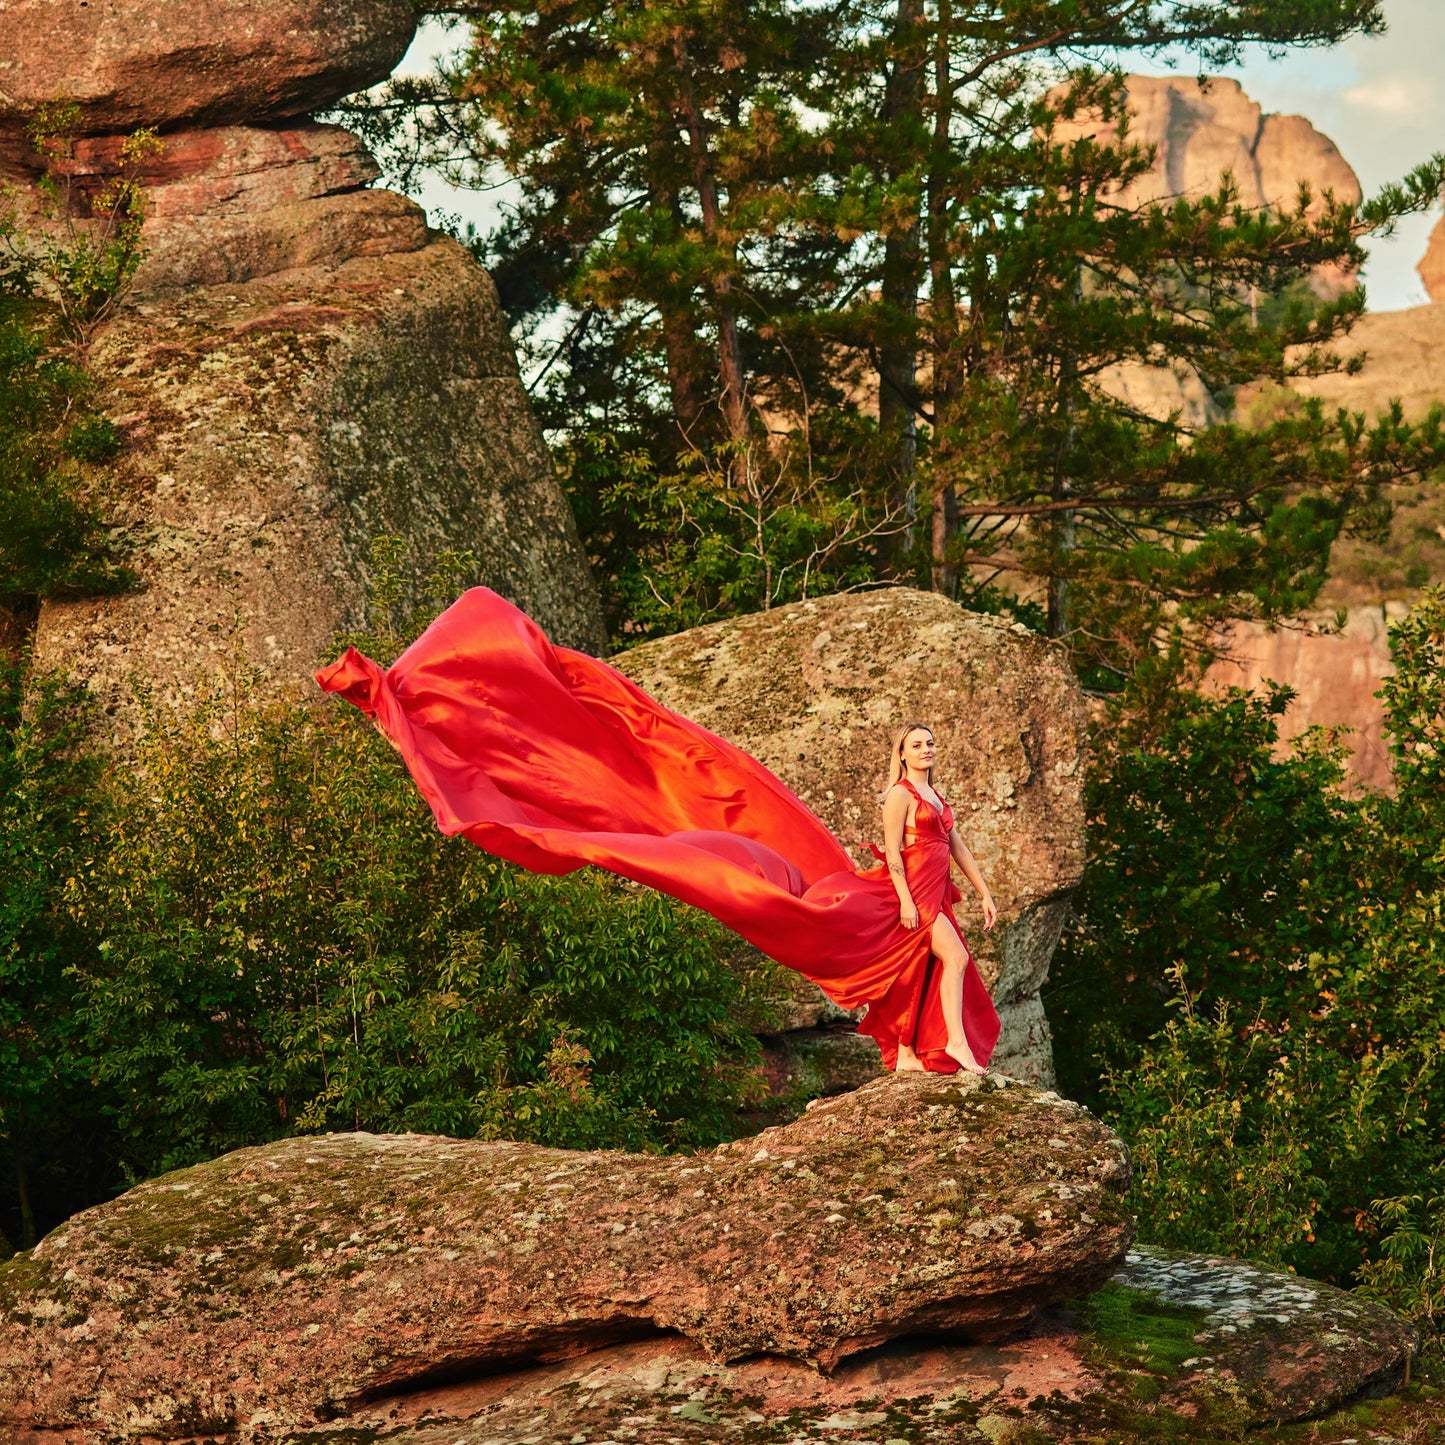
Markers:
point(1409, 1272)
point(676, 549)
point(285, 941)
point(88, 247)
point(1252, 989)
point(257, 929)
point(48, 797)
point(750, 219)
point(52, 540)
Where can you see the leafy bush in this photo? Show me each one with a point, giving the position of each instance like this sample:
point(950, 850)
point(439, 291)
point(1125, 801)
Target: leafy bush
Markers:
point(257, 930)
point(52, 540)
point(1254, 987)
point(89, 248)
point(48, 794)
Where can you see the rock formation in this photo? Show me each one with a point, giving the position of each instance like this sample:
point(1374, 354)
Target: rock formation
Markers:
point(1335, 676)
point(210, 62)
point(814, 690)
point(282, 1286)
point(300, 365)
point(1431, 265)
point(1176, 1345)
point(1201, 127)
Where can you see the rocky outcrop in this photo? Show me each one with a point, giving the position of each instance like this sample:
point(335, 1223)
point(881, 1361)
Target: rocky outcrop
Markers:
point(1201, 127)
point(1174, 1346)
point(300, 365)
point(1402, 358)
point(282, 1286)
point(814, 691)
point(272, 428)
point(1335, 676)
point(1431, 265)
point(206, 62)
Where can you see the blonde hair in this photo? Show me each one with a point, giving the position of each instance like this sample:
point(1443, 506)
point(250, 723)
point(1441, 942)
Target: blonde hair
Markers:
point(896, 771)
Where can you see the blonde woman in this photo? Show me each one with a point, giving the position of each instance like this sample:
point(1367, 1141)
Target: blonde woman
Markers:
point(555, 760)
point(937, 1008)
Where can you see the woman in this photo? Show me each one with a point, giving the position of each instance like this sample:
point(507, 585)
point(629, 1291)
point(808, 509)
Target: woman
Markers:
point(920, 843)
point(554, 760)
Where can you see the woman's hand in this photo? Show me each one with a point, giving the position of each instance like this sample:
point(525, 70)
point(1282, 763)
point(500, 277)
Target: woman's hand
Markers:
point(908, 914)
point(990, 911)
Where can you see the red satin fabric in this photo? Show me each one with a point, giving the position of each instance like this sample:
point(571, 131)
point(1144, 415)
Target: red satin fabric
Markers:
point(554, 760)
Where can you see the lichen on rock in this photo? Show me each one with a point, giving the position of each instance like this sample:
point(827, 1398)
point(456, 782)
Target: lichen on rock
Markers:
point(299, 1280)
point(272, 428)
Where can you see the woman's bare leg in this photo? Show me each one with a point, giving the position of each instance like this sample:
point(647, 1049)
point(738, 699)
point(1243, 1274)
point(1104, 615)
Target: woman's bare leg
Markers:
point(953, 956)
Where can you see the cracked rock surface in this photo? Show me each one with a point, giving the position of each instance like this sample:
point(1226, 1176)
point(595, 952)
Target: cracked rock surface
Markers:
point(283, 1286)
point(1174, 1346)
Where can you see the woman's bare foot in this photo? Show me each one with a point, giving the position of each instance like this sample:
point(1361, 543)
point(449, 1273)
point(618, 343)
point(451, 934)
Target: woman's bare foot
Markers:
point(908, 1062)
point(963, 1056)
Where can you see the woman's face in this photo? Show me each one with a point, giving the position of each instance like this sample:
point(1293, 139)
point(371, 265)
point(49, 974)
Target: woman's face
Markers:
point(919, 751)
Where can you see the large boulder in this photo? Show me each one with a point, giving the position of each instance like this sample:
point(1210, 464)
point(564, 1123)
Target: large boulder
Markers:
point(1175, 1346)
point(285, 1285)
point(815, 690)
point(234, 203)
point(273, 427)
point(206, 62)
point(300, 365)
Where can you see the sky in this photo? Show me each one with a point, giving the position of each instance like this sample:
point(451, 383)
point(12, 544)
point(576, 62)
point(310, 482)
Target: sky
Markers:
point(1381, 100)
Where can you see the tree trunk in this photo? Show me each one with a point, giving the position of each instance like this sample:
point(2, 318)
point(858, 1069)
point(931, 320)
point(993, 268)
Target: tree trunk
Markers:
point(730, 356)
point(945, 527)
point(943, 327)
point(679, 319)
point(902, 258)
point(28, 1234)
point(1063, 488)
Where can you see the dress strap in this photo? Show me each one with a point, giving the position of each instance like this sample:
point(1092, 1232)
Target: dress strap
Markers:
point(906, 782)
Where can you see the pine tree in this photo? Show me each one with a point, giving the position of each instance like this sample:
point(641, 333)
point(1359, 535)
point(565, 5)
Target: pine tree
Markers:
point(760, 216)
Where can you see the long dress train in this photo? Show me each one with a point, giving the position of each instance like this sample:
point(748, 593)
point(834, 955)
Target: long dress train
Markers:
point(554, 760)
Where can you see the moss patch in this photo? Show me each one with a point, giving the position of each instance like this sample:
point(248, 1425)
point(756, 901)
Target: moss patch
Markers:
point(1125, 1329)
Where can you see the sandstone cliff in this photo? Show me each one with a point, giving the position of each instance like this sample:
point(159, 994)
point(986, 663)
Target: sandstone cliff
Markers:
point(300, 365)
point(1201, 127)
point(1431, 265)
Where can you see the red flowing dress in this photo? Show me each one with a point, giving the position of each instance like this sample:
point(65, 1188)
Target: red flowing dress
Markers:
point(554, 760)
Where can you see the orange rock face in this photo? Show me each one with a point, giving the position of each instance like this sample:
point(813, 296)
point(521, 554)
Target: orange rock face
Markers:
point(1202, 128)
point(1431, 265)
point(205, 62)
point(1335, 678)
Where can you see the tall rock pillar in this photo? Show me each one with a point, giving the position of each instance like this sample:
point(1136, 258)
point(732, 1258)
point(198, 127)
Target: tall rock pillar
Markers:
point(301, 363)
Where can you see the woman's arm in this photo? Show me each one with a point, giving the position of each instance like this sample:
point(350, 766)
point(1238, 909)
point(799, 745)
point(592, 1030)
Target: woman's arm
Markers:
point(969, 864)
point(895, 819)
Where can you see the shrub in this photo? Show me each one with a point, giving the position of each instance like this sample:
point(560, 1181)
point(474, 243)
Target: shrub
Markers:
point(255, 929)
point(1254, 988)
point(284, 941)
